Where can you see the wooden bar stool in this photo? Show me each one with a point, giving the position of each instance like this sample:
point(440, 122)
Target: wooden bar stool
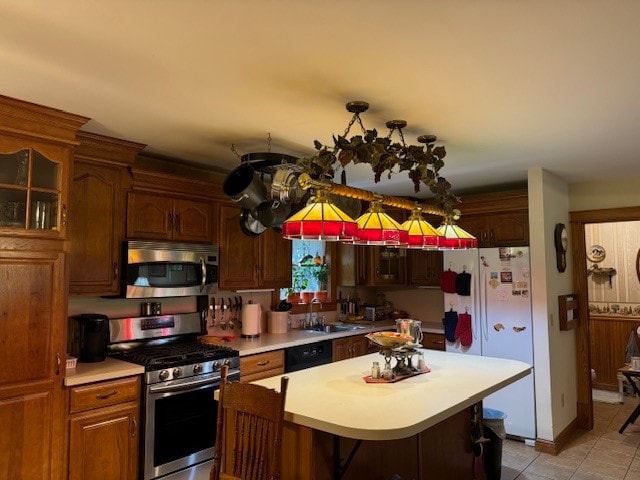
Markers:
point(248, 431)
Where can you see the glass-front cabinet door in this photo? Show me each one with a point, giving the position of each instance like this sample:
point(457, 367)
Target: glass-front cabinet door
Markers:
point(32, 199)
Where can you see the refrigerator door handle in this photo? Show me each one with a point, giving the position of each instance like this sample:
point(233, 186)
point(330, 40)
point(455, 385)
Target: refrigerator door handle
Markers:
point(485, 320)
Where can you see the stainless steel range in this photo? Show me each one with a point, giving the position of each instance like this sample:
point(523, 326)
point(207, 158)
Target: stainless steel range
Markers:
point(181, 374)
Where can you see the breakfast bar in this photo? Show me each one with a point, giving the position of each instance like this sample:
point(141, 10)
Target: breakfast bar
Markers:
point(339, 426)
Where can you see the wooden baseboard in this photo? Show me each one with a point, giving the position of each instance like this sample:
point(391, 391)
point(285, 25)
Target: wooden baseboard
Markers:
point(554, 447)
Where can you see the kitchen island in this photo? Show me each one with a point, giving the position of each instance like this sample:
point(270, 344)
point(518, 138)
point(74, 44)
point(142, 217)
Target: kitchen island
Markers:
point(420, 427)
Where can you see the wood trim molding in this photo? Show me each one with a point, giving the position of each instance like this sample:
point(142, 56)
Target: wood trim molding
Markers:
point(495, 202)
point(103, 149)
point(146, 180)
point(22, 118)
point(554, 447)
point(579, 256)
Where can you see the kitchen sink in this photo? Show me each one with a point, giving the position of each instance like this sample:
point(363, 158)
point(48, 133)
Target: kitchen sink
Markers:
point(334, 328)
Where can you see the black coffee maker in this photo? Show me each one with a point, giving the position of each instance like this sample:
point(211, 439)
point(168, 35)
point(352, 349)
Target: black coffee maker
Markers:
point(89, 337)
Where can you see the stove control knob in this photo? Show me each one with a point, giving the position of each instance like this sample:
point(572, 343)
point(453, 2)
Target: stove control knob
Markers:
point(197, 368)
point(177, 372)
point(163, 375)
point(216, 365)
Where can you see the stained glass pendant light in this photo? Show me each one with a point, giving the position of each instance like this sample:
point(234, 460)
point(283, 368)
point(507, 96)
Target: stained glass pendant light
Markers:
point(320, 220)
point(455, 237)
point(375, 227)
point(420, 233)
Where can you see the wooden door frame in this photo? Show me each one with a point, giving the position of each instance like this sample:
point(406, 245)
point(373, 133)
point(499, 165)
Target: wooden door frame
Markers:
point(579, 256)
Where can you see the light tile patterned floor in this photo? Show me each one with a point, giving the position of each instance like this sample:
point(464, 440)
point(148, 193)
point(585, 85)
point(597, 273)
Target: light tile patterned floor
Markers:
point(599, 454)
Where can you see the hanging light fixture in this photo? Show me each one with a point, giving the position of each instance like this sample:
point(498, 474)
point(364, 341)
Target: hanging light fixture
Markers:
point(320, 220)
point(455, 237)
point(375, 227)
point(420, 233)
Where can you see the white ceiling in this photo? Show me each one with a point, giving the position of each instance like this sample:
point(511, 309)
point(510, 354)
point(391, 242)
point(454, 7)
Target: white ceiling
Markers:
point(505, 85)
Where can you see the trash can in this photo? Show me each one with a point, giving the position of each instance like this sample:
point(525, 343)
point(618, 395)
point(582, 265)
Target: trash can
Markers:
point(493, 421)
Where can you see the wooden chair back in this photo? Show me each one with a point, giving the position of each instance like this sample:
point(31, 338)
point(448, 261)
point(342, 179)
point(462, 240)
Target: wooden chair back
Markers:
point(248, 431)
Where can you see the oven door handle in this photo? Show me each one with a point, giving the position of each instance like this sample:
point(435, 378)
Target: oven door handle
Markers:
point(183, 386)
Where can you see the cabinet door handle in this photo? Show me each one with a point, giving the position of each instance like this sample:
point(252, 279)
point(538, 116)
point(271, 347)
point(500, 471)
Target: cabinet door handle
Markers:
point(58, 362)
point(170, 221)
point(263, 363)
point(63, 215)
point(115, 270)
point(177, 222)
point(134, 426)
point(104, 396)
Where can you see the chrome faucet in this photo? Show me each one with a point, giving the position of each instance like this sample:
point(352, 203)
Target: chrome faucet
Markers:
point(310, 319)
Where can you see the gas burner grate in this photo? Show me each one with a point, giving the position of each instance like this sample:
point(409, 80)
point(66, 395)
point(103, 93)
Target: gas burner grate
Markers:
point(163, 356)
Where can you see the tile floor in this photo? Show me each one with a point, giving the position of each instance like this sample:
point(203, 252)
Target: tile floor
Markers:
point(599, 454)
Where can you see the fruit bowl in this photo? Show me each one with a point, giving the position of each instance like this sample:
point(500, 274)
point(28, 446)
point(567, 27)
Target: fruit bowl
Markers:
point(389, 339)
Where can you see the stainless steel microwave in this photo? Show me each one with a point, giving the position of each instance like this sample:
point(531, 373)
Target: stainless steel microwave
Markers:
point(159, 269)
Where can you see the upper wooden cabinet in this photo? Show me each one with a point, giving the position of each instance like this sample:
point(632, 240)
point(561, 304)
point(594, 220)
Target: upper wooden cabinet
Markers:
point(251, 262)
point(170, 207)
point(425, 268)
point(97, 212)
point(374, 265)
point(36, 146)
point(161, 217)
point(497, 220)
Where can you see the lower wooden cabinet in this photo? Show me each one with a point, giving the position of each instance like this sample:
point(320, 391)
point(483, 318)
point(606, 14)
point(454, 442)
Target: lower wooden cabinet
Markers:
point(433, 341)
point(350, 347)
point(261, 365)
point(104, 430)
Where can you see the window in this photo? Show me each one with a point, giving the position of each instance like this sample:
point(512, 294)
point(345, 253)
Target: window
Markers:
point(309, 267)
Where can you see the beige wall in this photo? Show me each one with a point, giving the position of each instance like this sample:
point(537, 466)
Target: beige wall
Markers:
point(554, 350)
point(623, 192)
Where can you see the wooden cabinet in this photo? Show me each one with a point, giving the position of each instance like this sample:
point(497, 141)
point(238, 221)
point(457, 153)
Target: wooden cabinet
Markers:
point(497, 220)
point(350, 347)
point(162, 217)
point(251, 262)
point(261, 365)
point(433, 341)
point(374, 265)
point(36, 145)
point(609, 336)
point(104, 430)
point(97, 213)
point(425, 268)
point(32, 315)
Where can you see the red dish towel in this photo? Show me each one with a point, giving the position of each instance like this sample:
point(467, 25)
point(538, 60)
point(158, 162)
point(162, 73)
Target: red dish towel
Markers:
point(463, 329)
point(448, 281)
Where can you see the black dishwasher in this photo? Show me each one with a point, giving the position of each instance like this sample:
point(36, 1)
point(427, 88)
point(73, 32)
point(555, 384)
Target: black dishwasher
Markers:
point(307, 356)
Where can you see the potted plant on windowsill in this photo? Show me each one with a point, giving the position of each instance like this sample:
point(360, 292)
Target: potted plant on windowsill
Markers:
point(321, 273)
point(300, 283)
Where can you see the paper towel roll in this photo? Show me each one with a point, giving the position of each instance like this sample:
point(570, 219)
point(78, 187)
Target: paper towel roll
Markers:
point(251, 317)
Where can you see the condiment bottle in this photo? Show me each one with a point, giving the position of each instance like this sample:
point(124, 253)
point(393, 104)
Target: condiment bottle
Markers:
point(375, 370)
point(421, 364)
point(387, 374)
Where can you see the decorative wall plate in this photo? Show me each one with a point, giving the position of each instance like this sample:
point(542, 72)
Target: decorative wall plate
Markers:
point(596, 253)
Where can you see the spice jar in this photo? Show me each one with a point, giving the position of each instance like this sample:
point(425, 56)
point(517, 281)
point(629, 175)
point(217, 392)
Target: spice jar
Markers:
point(387, 374)
point(375, 370)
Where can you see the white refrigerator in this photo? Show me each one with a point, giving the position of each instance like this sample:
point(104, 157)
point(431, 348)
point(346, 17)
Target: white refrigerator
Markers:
point(501, 323)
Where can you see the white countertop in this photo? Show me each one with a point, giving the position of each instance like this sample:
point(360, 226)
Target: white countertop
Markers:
point(267, 342)
point(109, 369)
point(334, 398)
